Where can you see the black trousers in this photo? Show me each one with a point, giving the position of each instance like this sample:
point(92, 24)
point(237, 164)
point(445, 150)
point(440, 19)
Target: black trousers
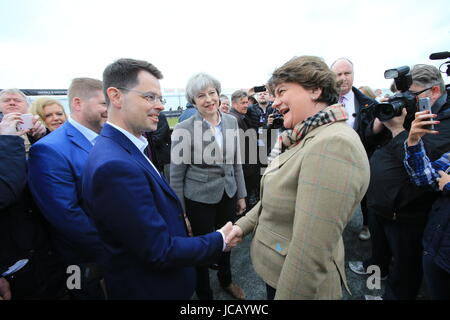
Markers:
point(381, 251)
point(206, 218)
point(365, 211)
point(436, 278)
point(403, 241)
point(271, 292)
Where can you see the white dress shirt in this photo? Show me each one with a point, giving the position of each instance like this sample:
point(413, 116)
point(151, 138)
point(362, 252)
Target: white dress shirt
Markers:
point(141, 143)
point(217, 131)
point(349, 102)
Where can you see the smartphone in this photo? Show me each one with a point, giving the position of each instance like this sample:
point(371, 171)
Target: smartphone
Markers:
point(259, 89)
point(424, 104)
point(15, 267)
point(27, 119)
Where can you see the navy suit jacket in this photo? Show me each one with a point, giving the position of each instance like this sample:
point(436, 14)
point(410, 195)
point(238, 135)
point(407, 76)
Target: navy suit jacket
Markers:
point(140, 219)
point(56, 163)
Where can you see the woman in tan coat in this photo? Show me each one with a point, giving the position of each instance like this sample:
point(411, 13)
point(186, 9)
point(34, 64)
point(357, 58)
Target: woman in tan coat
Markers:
point(318, 174)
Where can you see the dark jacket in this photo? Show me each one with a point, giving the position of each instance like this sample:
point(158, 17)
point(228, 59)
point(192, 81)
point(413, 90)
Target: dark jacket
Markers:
point(189, 112)
point(257, 118)
point(248, 145)
point(391, 193)
point(160, 143)
point(363, 119)
point(23, 231)
point(436, 238)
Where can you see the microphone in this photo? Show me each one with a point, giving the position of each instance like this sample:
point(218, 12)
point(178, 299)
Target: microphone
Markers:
point(440, 55)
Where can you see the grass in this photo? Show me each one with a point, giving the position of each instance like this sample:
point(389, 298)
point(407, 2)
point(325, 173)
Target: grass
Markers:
point(172, 122)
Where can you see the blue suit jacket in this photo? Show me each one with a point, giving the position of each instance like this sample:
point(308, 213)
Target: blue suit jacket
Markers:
point(55, 166)
point(140, 219)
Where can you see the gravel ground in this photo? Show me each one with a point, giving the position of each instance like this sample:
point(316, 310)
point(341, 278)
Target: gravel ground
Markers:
point(254, 287)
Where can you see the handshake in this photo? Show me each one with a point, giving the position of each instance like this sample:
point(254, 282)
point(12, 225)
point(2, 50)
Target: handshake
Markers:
point(233, 235)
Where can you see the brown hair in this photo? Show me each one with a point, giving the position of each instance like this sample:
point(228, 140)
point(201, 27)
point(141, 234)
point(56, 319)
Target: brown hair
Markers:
point(84, 88)
point(311, 73)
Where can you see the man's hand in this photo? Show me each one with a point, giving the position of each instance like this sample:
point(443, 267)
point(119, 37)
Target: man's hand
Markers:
point(9, 123)
point(443, 180)
point(270, 119)
point(240, 207)
point(395, 125)
point(38, 130)
point(5, 291)
point(417, 131)
point(235, 236)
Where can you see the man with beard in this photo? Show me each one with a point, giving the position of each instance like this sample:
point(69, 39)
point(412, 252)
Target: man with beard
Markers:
point(55, 168)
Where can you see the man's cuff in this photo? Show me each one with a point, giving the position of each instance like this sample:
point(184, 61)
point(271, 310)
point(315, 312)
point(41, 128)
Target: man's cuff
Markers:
point(223, 237)
point(415, 148)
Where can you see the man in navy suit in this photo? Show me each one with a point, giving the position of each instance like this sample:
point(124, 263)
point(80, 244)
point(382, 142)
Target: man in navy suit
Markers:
point(138, 215)
point(55, 167)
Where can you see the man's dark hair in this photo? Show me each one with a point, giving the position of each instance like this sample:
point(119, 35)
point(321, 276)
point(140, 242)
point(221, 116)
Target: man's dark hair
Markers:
point(123, 73)
point(239, 94)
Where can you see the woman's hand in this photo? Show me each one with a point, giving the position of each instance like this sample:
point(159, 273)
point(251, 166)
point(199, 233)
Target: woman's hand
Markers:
point(240, 207)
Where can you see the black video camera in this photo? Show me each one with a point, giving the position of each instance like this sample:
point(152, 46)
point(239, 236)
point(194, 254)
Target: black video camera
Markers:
point(278, 120)
point(405, 99)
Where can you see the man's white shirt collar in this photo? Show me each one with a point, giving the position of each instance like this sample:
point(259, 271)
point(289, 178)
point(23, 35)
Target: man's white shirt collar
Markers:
point(141, 143)
point(86, 132)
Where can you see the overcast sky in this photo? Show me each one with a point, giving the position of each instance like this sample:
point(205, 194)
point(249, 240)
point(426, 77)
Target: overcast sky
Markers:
point(44, 44)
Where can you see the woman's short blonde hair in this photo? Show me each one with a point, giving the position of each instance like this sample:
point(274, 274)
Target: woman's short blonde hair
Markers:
point(38, 105)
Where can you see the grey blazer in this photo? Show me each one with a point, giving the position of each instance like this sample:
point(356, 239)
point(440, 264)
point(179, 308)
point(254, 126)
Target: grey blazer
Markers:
point(202, 171)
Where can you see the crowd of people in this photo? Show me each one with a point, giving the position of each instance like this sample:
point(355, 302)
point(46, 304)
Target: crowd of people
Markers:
point(145, 213)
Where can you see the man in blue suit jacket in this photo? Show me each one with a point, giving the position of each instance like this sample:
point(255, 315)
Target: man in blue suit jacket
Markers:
point(138, 215)
point(55, 166)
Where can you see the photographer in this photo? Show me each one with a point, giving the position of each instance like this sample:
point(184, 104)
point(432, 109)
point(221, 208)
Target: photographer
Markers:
point(15, 101)
point(436, 239)
point(397, 208)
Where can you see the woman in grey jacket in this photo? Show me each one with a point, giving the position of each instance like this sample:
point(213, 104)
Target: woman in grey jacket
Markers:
point(206, 173)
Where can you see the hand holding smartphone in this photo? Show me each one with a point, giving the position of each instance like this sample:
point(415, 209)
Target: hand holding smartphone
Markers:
point(424, 104)
point(27, 124)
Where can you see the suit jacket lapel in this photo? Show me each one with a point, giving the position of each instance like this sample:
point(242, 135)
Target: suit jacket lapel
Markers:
point(77, 137)
point(122, 140)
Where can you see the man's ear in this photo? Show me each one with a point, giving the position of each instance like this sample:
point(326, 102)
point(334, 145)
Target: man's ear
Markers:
point(115, 97)
point(436, 90)
point(76, 104)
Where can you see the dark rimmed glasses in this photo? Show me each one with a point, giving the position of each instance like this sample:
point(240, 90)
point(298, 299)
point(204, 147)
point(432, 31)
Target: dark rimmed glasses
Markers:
point(420, 92)
point(149, 96)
